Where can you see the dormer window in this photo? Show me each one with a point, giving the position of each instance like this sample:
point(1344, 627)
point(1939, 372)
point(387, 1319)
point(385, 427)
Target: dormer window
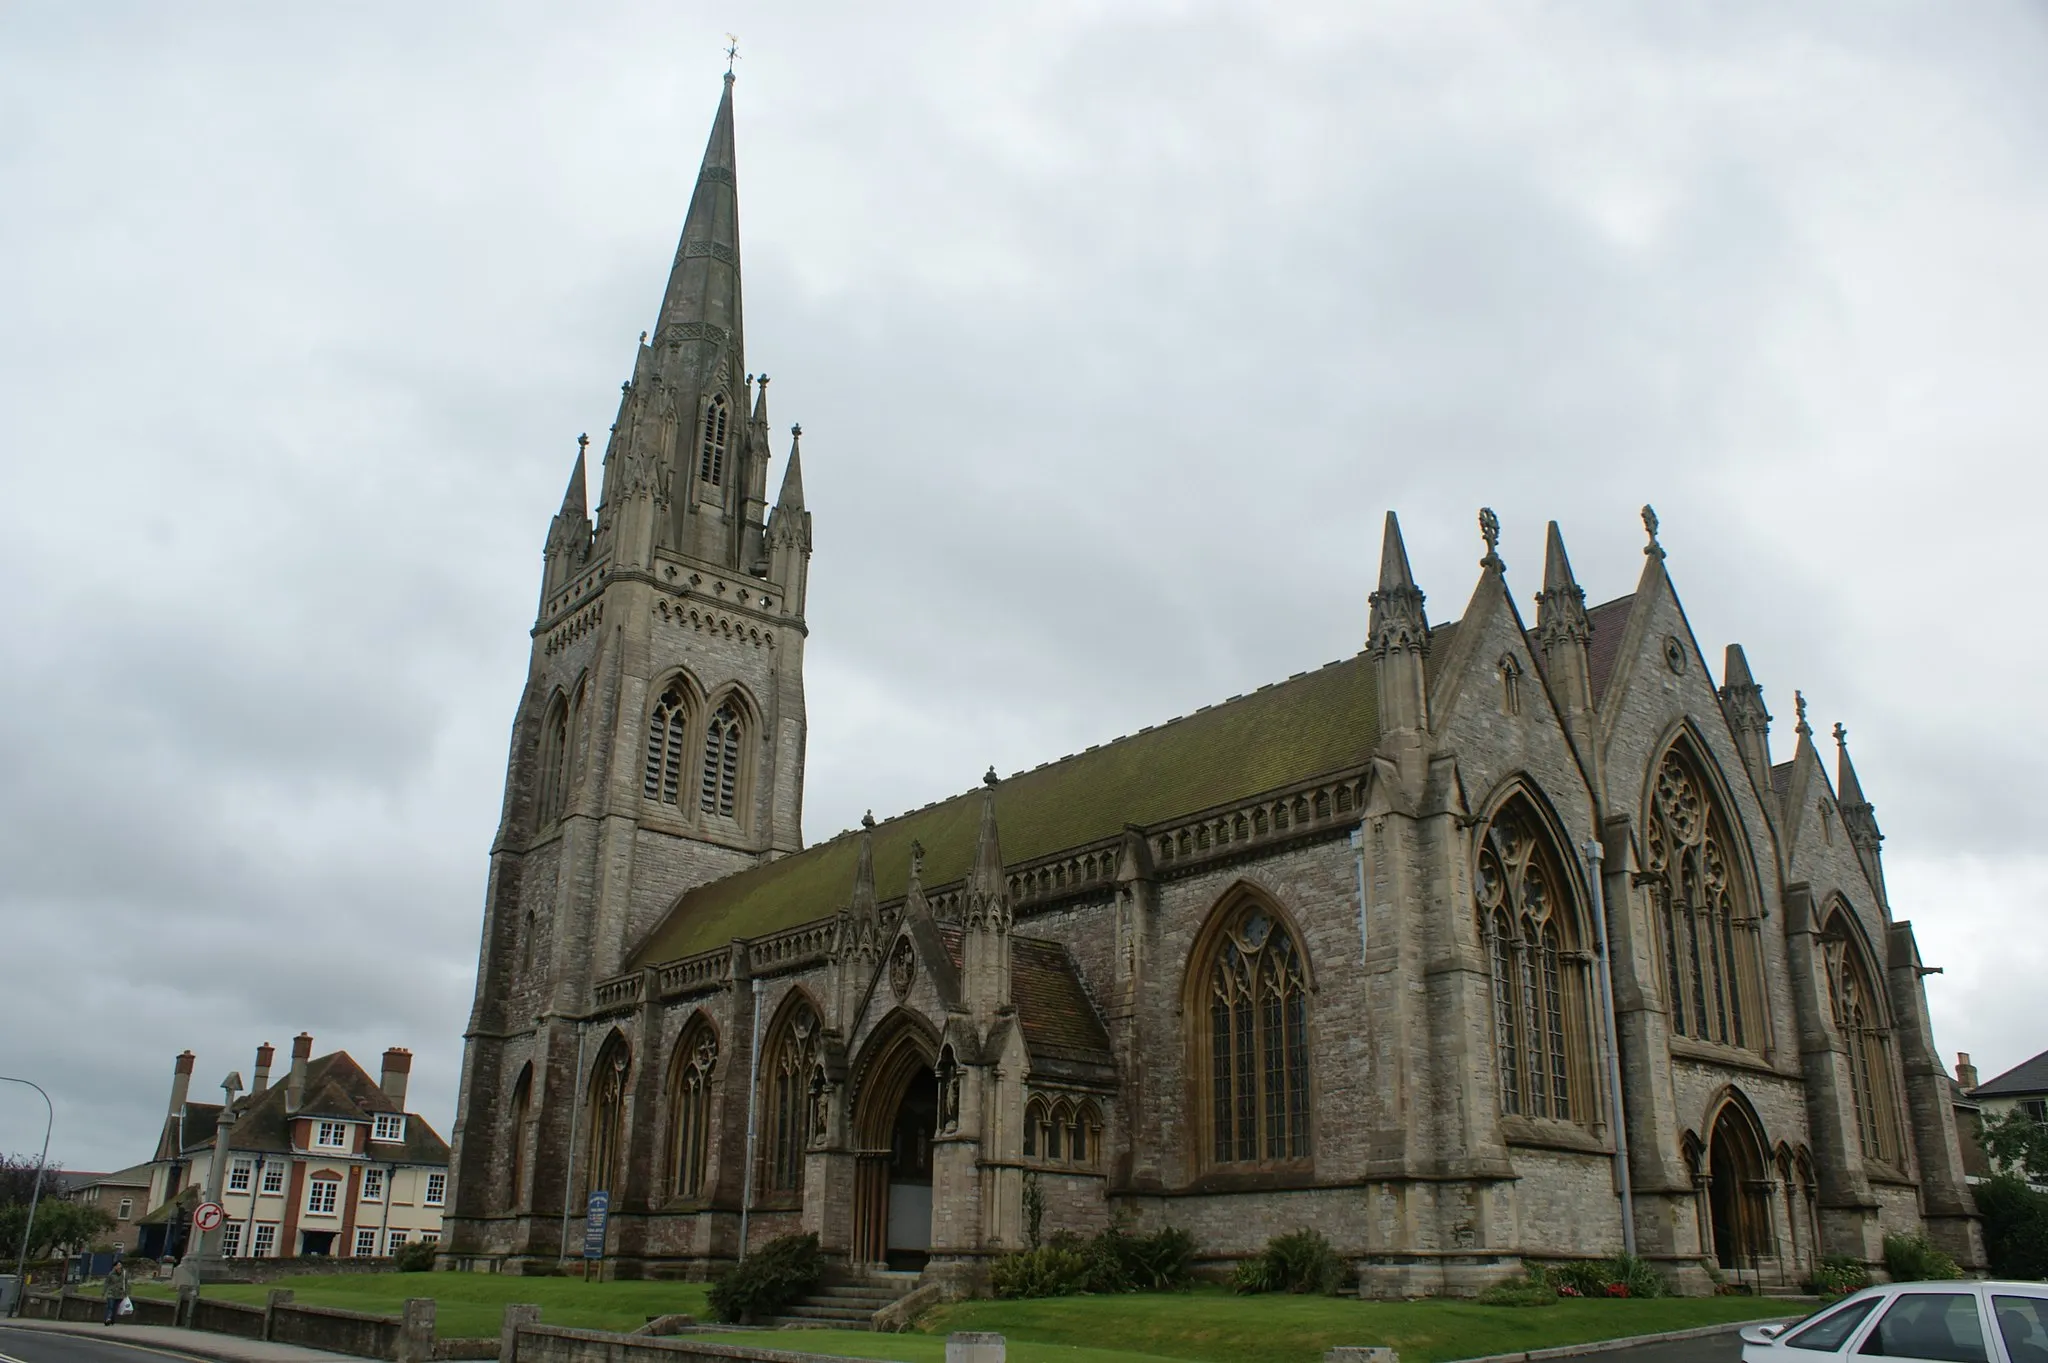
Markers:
point(390, 1127)
point(711, 449)
point(331, 1135)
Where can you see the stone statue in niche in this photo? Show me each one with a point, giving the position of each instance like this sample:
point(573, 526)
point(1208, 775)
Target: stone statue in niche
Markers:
point(902, 968)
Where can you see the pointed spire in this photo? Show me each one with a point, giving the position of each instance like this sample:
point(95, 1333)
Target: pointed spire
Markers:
point(791, 498)
point(863, 903)
point(1398, 624)
point(1561, 605)
point(576, 497)
point(1859, 819)
point(1742, 701)
point(1848, 790)
point(987, 876)
point(761, 401)
point(1735, 668)
point(704, 283)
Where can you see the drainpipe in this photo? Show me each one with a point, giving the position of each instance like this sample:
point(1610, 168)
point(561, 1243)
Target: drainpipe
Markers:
point(384, 1226)
point(255, 1191)
point(753, 1103)
point(1621, 1174)
point(1358, 846)
point(575, 1121)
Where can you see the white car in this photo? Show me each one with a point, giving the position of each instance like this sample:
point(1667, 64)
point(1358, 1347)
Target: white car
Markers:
point(1954, 1322)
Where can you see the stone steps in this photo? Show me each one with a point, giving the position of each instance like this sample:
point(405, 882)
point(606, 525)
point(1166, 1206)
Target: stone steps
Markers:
point(847, 1303)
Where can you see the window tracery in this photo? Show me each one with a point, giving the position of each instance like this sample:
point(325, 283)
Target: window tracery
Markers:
point(711, 442)
point(666, 730)
point(690, 1110)
point(607, 1113)
point(786, 1075)
point(1253, 1042)
point(1542, 1036)
point(1708, 928)
point(722, 761)
point(1860, 1018)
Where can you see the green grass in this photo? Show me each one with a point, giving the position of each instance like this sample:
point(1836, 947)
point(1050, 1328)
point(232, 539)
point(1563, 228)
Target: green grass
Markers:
point(473, 1304)
point(1214, 1326)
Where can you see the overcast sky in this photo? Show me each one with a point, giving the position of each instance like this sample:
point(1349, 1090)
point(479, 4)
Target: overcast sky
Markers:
point(1113, 329)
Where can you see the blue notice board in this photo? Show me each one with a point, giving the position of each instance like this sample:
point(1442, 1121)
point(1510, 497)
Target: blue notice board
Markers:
point(593, 1224)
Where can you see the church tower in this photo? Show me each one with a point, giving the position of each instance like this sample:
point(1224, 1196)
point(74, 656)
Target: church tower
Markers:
point(659, 742)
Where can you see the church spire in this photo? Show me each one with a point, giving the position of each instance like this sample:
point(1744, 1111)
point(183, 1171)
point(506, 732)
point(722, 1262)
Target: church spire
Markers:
point(985, 918)
point(1742, 701)
point(1562, 629)
point(568, 545)
point(704, 281)
point(1397, 636)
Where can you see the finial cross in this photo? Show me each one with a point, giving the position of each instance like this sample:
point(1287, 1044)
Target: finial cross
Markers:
point(583, 442)
point(1652, 549)
point(1841, 734)
point(732, 51)
point(1489, 530)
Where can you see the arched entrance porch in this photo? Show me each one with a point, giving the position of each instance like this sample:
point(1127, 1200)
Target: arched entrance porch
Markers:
point(895, 1114)
point(1739, 1192)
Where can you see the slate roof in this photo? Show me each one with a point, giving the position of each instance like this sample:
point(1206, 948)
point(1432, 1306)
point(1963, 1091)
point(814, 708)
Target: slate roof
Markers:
point(1311, 724)
point(1609, 620)
point(2025, 1079)
point(1781, 777)
point(1062, 1030)
point(336, 1087)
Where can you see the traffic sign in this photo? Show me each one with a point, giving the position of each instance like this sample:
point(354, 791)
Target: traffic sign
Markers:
point(208, 1216)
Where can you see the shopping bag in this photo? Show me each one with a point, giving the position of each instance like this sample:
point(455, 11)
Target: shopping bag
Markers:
point(127, 1306)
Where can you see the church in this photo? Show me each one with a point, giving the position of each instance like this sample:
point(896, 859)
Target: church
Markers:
point(1502, 939)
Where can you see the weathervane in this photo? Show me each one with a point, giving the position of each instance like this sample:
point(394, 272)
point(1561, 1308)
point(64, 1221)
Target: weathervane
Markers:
point(1489, 530)
point(732, 51)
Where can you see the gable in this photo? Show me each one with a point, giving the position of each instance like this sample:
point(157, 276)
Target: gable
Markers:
point(1311, 724)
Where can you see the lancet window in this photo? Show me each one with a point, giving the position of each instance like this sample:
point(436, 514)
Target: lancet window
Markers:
point(667, 729)
point(1860, 1019)
point(1063, 1131)
point(1251, 1014)
point(786, 1066)
point(1709, 930)
point(608, 1113)
point(689, 1109)
point(515, 1138)
point(1541, 1027)
point(711, 442)
point(554, 764)
point(722, 761)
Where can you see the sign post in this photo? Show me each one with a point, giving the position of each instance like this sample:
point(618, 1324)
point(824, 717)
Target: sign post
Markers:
point(594, 1218)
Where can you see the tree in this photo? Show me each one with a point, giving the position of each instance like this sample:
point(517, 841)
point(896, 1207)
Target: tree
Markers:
point(59, 1225)
point(18, 1179)
point(2017, 1142)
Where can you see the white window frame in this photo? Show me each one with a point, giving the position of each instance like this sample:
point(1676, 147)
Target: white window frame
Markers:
point(388, 1127)
point(394, 1241)
point(231, 1240)
point(436, 1190)
point(126, 1209)
point(241, 1173)
point(430, 1237)
point(273, 1178)
point(323, 1196)
point(265, 1244)
point(339, 1130)
point(366, 1244)
point(373, 1185)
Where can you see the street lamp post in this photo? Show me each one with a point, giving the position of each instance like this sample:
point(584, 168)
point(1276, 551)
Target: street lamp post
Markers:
point(36, 1194)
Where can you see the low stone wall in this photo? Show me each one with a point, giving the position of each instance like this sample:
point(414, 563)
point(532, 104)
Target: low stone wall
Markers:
point(338, 1332)
point(270, 1270)
point(226, 1318)
point(551, 1344)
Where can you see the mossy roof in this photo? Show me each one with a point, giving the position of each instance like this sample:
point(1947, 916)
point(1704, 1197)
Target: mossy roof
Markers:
point(1311, 724)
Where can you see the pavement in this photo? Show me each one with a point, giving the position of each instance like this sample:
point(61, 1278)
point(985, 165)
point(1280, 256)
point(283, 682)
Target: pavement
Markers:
point(68, 1341)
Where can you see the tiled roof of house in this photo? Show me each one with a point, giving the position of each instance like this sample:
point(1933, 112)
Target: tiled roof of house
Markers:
point(1311, 724)
point(2025, 1079)
point(338, 1088)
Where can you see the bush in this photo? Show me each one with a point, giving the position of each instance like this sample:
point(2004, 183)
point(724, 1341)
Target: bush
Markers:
point(1300, 1261)
point(1054, 1270)
point(1533, 1288)
point(1625, 1275)
point(767, 1280)
point(2015, 1227)
point(1912, 1259)
point(416, 1257)
point(1838, 1275)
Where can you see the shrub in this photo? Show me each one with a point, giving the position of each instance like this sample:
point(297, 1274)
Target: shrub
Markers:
point(768, 1279)
point(1838, 1275)
point(1912, 1259)
point(1533, 1288)
point(1034, 1210)
point(416, 1257)
point(1625, 1275)
point(1300, 1261)
point(1054, 1270)
point(1121, 1262)
point(2015, 1227)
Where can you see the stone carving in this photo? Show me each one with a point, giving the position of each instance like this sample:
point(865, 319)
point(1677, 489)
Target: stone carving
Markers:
point(902, 968)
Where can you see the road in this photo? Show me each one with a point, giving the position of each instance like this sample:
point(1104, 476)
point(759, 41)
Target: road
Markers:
point(1714, 1349)
point(40, 1346)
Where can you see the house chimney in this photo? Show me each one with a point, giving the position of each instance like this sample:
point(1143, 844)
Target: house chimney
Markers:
point(1966, 1073)
point(397, 1068)
point(295, 1087)
point(181, 1081)
point(264, 1055)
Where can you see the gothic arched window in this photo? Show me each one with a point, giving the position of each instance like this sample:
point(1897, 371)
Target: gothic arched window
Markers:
point(689, 1109)
point(666, 729)
point(1250, 1009)
point(711, 443)
point(1709, 931)
point(554, 764)
point(1541, 1031)
point(608, 1113)
point(515, 1138)
point(722, 760)
point(786, 1064)
point(1860, 1018)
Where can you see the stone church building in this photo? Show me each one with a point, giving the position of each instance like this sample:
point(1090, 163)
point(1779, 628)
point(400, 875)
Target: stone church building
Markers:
point(1338, 953)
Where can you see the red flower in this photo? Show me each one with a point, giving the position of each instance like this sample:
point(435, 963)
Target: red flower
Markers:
point(1617, 1289)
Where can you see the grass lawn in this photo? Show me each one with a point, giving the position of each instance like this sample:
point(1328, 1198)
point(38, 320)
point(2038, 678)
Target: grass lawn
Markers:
point(1215, 1326)
point(473, 1304)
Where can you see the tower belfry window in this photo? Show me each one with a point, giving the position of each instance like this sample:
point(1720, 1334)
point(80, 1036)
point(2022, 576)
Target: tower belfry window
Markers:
point(711, 448)
point(665, 729)
point(722, 760)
